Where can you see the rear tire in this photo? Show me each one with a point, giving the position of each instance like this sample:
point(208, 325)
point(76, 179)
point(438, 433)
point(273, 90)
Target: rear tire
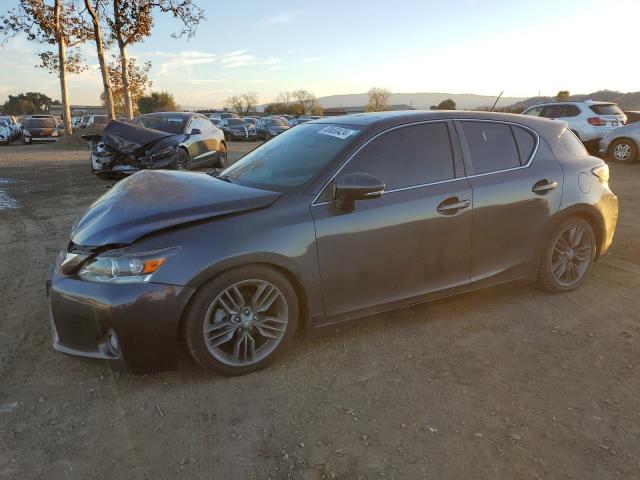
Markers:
point(623, 150)
point(568, 256)
point(218, 340)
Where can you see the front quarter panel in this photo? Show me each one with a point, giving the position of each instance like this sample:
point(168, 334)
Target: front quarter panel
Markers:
point(282, 235)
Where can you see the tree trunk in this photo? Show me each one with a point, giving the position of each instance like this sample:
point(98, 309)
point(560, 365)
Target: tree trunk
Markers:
point(62, 64)
point(124, 60)
point(106, 81)
point(124, 67)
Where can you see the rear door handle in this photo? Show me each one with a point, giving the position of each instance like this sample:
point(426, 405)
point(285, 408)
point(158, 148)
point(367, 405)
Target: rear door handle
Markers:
point(452, 205)
point(543, 186)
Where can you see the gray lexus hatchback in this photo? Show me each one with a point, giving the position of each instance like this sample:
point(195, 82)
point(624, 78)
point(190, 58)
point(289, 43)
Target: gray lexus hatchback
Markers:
point(335, 219)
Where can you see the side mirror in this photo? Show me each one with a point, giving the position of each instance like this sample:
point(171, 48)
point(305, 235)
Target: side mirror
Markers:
point(358, 186)
point(195, 131)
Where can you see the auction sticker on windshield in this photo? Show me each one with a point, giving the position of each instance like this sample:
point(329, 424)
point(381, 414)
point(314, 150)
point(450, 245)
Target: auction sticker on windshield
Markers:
point(338, 132)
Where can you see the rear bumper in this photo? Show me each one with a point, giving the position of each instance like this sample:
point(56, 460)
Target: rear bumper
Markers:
point(608, 207)
point(145, 318)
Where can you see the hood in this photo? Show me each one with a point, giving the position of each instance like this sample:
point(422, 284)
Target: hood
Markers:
point(152, 200)
point(128, 138)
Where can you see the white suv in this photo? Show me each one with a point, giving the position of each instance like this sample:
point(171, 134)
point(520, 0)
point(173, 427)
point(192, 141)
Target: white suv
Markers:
point(589, 120)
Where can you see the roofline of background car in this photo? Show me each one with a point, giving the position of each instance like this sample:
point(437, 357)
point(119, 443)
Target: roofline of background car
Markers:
point(465, 176)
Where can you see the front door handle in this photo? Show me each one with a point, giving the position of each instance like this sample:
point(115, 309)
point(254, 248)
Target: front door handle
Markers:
point(541, 187)
point(452, 205)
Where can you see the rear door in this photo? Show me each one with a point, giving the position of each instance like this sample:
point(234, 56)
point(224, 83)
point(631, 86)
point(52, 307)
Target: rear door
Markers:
point(412, 242)
point(517, 188)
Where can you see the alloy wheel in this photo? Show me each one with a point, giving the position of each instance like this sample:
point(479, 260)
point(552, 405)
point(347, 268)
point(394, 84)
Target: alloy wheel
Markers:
point(245, 323)
point(572, 255)
point(182, 160)
point(622, 152)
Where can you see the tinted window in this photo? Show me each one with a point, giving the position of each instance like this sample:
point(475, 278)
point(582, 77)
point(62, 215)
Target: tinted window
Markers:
point(235, 121)
point(606, 109)
point(164, 123)
point(41, 123)
point(407, 156)
point(560, 111)
point(525, 142)
point(100, 119)
point(276, 121)
point(291, 159)
point(201, 124)
point(491, 146)
point(571, 143)
point(534, 112)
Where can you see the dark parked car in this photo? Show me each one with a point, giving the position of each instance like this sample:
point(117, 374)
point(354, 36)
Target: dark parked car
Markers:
point(237, 129)
point(250, 120)
point(40, 130)
point(269, 127)
point(335, 219)
point(176, 140)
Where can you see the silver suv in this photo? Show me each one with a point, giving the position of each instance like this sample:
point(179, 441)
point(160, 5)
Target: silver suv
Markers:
point(589, 120)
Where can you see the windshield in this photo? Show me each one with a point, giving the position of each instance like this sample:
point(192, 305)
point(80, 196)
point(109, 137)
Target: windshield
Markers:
point(276, 121)
point(40, 123)
point(292, 158)
point(235, 121)
point(165, 123)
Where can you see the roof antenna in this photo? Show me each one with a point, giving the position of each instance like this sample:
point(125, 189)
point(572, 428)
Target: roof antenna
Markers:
point(496, 102)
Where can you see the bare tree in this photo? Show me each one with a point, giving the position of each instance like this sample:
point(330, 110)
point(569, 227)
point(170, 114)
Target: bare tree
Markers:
point(93, 9)
point(131, 22)
point(378, 100)
point(57, 23)
point(242, 104)
point(305, 100)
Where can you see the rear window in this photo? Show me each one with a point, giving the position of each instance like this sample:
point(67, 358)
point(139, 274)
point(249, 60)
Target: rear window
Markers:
point(235, 121)
point(41, 123)
point(571, 143)
point(606, 109)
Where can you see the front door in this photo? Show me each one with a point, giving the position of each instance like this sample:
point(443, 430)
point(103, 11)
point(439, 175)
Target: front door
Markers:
point(412, 242)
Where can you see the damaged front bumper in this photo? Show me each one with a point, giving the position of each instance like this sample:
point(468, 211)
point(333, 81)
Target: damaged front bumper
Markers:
point(105, 160)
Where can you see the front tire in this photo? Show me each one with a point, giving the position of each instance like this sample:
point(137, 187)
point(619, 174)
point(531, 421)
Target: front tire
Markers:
point(239, 321)
point(223, 158)
point(568, 256)
point(182, 160)
point(623, 150)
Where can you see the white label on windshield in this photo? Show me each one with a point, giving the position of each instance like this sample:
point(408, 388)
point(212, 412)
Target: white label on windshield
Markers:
point(337, 132)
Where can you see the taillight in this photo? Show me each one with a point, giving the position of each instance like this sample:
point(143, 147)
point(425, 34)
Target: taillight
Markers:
point(602, 172)
point(597, 121)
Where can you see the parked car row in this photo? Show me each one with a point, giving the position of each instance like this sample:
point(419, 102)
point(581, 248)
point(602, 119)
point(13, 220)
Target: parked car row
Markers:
point(602, 126)
point(10, 129)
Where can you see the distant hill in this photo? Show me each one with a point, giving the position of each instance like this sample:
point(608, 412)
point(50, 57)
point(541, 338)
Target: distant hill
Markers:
point(626, 101)
point(419, 100)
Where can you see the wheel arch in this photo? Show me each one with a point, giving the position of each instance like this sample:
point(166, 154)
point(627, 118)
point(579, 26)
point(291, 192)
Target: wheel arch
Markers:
point(281, 264)
point(591, 215)
point(629, 139)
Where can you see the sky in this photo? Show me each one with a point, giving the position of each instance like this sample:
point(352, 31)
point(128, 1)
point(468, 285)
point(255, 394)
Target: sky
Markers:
point(523, 47)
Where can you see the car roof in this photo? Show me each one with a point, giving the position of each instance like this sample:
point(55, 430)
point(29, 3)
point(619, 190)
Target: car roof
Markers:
point(176, 114)
point(400, 117)
point(573, 102)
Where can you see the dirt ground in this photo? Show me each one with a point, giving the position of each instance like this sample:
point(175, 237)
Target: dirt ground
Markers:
point(507, 383)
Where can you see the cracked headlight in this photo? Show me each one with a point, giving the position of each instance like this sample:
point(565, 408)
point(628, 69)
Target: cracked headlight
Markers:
point(129, 268)
point(165, 152)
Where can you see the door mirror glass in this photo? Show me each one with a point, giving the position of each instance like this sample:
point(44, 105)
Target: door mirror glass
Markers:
point(358, 186)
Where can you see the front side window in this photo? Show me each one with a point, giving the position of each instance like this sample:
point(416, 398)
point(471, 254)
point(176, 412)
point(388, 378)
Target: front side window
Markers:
point(292, 159)
point(407, 156)
point(491, 146)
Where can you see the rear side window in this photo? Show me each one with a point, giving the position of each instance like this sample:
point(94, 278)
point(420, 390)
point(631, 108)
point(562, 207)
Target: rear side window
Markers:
point(407, 156)
point(571, 143)
point(606, 109)
point(491, 146)
point(560, 111)
point(525, 142)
